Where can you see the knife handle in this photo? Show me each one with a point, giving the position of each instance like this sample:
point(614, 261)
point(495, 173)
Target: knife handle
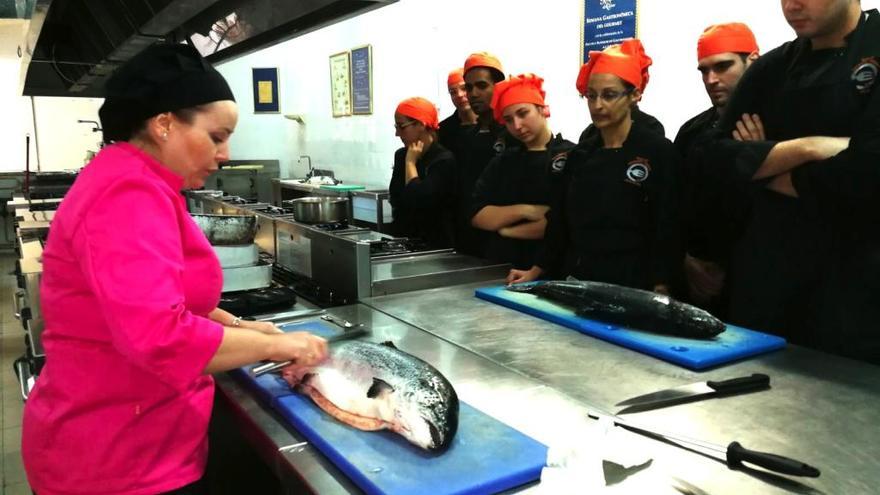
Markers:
point(734, 385)
point(737, 454)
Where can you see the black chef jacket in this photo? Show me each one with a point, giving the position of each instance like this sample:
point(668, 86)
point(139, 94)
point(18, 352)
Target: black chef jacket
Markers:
point(809, 267)
point(708, 228)
point(639, 118)
point(450, 133)
point(520, 176)
point(424, 207)
point(479, 147)
point(616, 220)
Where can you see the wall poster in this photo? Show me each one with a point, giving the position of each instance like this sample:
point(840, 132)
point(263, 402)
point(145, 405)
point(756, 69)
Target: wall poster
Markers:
point(362, 80)
point(340, 84)
point(607, 22)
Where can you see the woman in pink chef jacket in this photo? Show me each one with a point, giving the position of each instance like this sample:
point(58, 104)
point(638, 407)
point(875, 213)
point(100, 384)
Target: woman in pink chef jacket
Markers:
point(130, 290)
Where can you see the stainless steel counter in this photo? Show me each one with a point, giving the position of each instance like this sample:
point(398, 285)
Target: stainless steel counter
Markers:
point(821, 409)
point(540, 378)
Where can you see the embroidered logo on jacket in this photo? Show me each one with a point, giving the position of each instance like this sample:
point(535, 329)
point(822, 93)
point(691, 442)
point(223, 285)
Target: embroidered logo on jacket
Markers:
point(557, 163)
point(864, 75)
point(638, 170)
point(499, 146)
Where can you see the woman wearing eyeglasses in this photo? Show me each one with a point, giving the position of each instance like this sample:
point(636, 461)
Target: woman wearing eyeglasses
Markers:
point(615, 220)
point(513, 194)
point(423, 181)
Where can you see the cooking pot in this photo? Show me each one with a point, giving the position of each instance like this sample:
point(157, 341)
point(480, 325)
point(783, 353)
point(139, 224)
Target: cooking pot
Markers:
point(225, 230)
point(316, 209)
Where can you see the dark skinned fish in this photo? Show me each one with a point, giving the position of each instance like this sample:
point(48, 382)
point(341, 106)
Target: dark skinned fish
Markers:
point(377, 386)
point(627, 307)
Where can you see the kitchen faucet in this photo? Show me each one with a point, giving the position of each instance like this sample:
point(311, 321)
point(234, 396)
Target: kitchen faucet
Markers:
point(96, 128)
point(311, 170)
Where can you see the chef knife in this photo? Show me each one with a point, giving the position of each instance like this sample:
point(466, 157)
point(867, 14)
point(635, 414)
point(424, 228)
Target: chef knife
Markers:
point(734, 454)
point(694, 391)
point(262, 369)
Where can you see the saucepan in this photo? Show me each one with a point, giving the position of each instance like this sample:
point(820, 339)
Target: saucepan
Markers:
point(316, 209)
point(226, 230)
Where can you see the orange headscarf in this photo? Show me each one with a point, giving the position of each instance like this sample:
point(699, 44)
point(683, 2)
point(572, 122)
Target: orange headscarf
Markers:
point(420, 109)
point(627, 61)
point(524, 88)
point(483, 59)
point(455, 78)
point(733, 37)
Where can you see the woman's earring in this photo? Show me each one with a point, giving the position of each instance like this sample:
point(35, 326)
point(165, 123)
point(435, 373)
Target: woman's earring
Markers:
point(165, 136)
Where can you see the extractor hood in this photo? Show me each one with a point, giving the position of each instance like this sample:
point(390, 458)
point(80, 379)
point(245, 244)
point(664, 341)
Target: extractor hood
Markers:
point(74, 45)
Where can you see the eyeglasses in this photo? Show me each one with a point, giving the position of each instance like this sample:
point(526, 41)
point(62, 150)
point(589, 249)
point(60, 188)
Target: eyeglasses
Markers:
point(400, 127)
point(609, 96)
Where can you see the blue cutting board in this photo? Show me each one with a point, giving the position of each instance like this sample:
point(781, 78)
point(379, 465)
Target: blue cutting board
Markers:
point(733, 344)
point(486, 456)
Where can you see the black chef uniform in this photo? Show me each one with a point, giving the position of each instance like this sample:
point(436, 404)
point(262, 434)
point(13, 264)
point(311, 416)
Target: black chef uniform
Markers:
point(639, 118)
point(450, 133)
point(809, 267)
point(424, 207)
point(520, 176)
point(479, 147)
point(709, 223)
point(616, 219)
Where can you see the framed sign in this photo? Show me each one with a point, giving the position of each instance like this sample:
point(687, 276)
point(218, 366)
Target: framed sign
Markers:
point(607, 22)
point(340, 84)
point(362, 80)
point(265, 90)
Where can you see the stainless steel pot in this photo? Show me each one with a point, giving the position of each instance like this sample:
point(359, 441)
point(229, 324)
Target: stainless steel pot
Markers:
point(316, 209)
point(225, 230)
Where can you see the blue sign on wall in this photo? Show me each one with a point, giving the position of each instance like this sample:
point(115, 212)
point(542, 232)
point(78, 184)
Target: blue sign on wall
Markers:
point(361, 81)
point(607, 22)
point(265, 83)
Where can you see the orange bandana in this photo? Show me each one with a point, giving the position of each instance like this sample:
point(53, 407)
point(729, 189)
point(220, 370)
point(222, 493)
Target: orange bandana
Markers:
point(626, 61)
point(734, 37)
point(483, 59)
point(420, 109)
point(524, 88)
point(455, 78)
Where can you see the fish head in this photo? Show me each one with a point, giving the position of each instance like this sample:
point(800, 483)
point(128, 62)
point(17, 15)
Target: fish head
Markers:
point(427, 414)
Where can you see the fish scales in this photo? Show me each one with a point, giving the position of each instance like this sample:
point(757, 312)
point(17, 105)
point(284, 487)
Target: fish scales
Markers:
point(374, 386)
point(633, 308)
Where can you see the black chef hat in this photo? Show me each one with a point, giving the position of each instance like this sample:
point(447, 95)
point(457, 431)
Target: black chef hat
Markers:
point(162, 78)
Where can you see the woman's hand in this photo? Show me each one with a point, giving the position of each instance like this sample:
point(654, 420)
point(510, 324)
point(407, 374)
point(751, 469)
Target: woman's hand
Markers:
point(261, 326)
point(414, 151)
point(304, 348)
point(519, 276)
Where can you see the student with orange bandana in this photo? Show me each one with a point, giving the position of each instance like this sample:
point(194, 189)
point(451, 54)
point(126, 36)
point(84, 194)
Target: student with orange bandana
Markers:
point(724, 52)
point(481, 143)
point(513, 194)
point(423, 182)
point(615, 218)
point(462, 119)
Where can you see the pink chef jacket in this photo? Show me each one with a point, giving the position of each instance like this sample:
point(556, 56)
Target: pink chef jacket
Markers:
point(121, 405)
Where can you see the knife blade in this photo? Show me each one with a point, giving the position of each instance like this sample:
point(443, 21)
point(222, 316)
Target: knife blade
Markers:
point(269, 367)
point(694, 391)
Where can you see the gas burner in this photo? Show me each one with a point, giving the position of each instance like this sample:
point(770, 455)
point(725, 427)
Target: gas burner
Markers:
point(331, 226)
point(276, 211)
point(236, 200)
point(402, 245)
